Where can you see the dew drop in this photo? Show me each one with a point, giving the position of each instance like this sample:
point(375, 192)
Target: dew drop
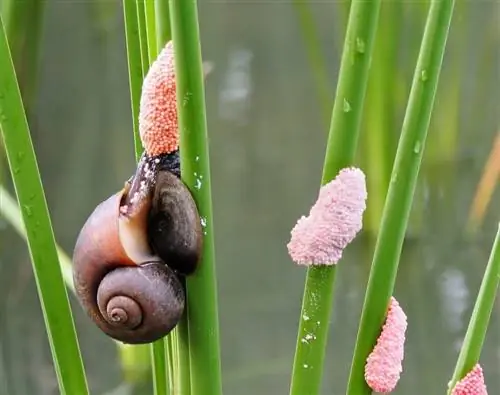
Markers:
point(417, 147)
point(360, 45)
point(27, 210)
point(347, 106)
point(423, 76)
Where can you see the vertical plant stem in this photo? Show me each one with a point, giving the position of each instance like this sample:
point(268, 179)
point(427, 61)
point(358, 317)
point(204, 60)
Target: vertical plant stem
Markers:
point(400, 195)
point(163, 32)
point(478, 325)
point(315, 55)
point(163, 35)
point(159, 365)
point(341, 148)
point(143, 35)
point(379, 144)
point(202, 311)
point(134, 67)
point(29, 189)
point(137, 70)
point(133, 364)
point(24, 24)
point(151, 29)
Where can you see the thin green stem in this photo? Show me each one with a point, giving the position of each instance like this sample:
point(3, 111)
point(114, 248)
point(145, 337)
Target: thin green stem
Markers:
point(143, 35)
point(138, 65)
point(151, 29)
point(163, 32)
point(202, 312)
point(315, 55)
point(24, 25)
point(134, 68)
point(10, 211)
point(402, 186)
point(133, 365)
point(159, 363)
point(379, 129)
point(342, 142)
point(162, 36)
point(478, 325)
point(41, 244)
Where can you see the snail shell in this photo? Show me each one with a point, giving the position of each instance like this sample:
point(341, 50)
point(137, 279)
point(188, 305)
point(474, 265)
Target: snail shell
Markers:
point(124, 266)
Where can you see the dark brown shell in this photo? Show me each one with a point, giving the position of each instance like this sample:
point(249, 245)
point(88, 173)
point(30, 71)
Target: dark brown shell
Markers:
point(138, 301)
point(174, 226)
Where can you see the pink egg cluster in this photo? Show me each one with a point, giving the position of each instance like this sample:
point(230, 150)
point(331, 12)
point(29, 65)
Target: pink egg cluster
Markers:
point(472, 383)
point(384, 365)
point(333, 221)
point(158, 125)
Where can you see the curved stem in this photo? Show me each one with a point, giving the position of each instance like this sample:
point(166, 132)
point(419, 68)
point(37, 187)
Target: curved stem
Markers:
point(478, 325)
point(40, 236)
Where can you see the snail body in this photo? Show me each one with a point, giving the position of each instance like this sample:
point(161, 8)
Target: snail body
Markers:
point(125, 268)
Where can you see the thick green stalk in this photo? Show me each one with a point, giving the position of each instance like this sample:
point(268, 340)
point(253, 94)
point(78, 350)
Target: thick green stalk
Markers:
point(342, 142)
point(400, 195)
point(29, 189)
point(478, 325)
point(163, 33)
point(134, 67)
point(24, 24)
point(202, 311)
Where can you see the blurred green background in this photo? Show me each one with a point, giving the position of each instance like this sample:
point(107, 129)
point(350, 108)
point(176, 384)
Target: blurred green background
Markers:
point(268, 102)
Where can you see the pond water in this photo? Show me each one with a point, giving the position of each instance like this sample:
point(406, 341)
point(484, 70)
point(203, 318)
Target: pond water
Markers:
point(267, 142)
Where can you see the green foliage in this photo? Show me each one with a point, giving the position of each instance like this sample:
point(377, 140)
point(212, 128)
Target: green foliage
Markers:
point(202, 313)
point(478, 325)
point(402, 187)
point(342, 143)
point(30, 194)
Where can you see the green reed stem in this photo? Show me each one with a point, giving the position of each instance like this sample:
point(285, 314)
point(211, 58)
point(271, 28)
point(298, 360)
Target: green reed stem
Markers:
point(41, 244)
point(10, 211)
point(138, 65)
point(23, 23)
point(143, 35)
point(133, 365)
point(134, 67)
point(478, 324)
point(163, 31)
point(163, 35)
point(151, 29)
point(402, 186)
point(342, 143)
point(378, 126)
point(202, 309)
point(315, 55)
point(159, 366)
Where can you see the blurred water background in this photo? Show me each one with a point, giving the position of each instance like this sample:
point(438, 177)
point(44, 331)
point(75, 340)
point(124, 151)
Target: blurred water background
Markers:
point(268, 105)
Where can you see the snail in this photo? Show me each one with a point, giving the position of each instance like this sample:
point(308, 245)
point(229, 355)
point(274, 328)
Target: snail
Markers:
point(134, 248)
point(127, 259)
